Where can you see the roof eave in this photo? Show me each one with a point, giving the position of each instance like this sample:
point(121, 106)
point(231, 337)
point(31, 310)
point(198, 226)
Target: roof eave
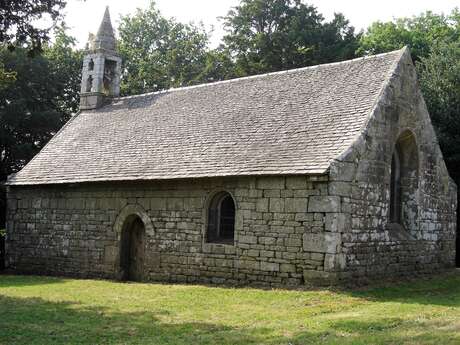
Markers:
point(314, 173)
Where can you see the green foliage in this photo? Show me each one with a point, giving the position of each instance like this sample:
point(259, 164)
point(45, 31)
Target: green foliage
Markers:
point(160, 53)
point(440, 81)
point(272, 35)
point(420, 33)
point(219, 66)
point(6, 77)
point(38, 102)
point(17, 18)
point(2, 232)
point(263, 35)
point(43, 310)
point(28, 115)
point(66, 62)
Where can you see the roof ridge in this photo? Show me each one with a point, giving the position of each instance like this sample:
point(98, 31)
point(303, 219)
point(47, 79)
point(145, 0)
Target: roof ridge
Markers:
point(257, 76)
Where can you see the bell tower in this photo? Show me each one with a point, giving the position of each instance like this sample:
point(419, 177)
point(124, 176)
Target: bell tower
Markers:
point(101, 68)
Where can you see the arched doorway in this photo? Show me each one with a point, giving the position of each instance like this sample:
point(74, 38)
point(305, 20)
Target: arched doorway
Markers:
point(132, 249)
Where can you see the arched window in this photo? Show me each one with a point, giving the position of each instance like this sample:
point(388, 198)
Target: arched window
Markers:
point(395, 188)
point(221, 219)
point(404, 181)
point(91, 65)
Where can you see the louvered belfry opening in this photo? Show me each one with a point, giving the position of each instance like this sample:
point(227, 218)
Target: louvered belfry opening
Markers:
point(221, 219)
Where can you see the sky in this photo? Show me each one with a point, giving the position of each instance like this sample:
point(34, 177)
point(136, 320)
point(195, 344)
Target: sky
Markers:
point(85, 16)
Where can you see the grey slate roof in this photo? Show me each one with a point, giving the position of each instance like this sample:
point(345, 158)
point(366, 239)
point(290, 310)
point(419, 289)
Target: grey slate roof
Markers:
point(292, 122)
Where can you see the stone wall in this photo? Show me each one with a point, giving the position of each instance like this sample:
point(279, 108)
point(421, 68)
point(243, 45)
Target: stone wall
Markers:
point(372, 247)
point(282, 229)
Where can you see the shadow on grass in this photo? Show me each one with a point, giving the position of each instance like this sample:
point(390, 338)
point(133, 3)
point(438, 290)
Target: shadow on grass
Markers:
point(12, 280)
point(443, 290)
point(37, 321)
point(386, 331)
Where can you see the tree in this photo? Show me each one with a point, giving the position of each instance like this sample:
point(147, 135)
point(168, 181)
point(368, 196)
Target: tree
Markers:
point(272, 35)
point(440, 81)
point(160, 53)
point(66, 62)
point(18, 27)
point(219, 66)
point(17, 19)
point(6, 77)
point(420, 33)
point(28, 115)
point(41, 99)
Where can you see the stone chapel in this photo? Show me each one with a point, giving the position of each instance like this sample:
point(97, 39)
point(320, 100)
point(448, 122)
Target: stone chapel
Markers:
point(323, 174)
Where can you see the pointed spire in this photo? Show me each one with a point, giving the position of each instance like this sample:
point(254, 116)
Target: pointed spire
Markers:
point(105, 38)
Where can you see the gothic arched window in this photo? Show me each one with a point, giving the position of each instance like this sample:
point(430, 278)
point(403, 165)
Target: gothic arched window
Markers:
point(395, 188)
point(221, 219)
point(404, 181)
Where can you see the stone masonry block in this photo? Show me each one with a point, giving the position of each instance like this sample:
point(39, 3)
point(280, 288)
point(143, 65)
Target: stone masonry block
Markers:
point(296, 182)
point(339, 188)
point(272, 193)
point(337, 222)
point(287, 268)
point(249, 264)
point(110, 254)
point(144, 202)
point(334, 262)
point(36, 203)
point(174, 204)
point(247, 239)
point(296, 205)
point(269, 266)
point(267, 240)
point(320, 277)
point(262, 205)
point(12, 204)
point(293, 242)
point(324, 204)
point(271, 183)
point(276, 205)
point(323, 242)
point(158, 203)
point(343, 171)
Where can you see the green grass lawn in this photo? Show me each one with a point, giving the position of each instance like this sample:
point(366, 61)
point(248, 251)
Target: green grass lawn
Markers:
point(43, 310)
